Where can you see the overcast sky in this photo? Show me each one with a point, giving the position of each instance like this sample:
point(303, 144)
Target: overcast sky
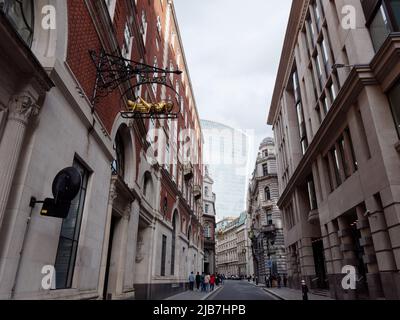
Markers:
point(233, 49)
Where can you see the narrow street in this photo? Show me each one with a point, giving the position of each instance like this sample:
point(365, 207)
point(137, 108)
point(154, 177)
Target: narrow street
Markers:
point(241, 290)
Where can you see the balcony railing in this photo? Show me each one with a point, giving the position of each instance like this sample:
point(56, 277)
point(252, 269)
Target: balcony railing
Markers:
point(267, 204)
point(313, 216)
point(268, 228)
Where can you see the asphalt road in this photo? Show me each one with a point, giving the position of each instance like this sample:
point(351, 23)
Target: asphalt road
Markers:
point(241, 290)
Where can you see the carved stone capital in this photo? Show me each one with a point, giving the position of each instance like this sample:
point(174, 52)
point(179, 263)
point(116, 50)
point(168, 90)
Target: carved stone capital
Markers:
point(22, 107)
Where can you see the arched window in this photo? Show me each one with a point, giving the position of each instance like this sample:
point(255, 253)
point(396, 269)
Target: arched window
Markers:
point(146, 183)
point(119, 162)
point(267, 193)
point(21, 14)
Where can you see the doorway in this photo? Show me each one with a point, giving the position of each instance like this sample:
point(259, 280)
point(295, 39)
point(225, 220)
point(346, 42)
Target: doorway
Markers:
point(319, 262)
point(111, 272)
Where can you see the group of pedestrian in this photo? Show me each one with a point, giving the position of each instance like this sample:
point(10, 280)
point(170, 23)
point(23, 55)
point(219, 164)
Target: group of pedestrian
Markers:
point(277, 279)
point(204, 282)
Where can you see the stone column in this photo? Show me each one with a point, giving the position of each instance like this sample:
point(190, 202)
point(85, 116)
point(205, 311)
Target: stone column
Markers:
point(347, 248)
point(122, 252)
point(336, 259)
point(373, 280)
point(106, 238)
point(21, 108)
point(382, 246)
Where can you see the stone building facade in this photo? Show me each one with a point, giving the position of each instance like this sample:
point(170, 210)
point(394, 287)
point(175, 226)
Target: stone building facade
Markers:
point(232, 246)
point(134, 230)
point(335, 113)
point(266, 231)
point(209, 223)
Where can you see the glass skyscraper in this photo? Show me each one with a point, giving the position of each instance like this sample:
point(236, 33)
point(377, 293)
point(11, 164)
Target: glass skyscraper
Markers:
point(226, 152)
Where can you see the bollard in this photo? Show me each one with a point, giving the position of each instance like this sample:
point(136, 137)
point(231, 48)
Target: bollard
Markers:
point(304, 289)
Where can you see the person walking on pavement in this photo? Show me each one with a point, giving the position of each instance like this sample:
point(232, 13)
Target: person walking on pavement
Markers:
point(198, 281)
point(284, 281)
point(217, 280)
point(212, 282)
point(279, 281)
point(207, 282)
point(267, 281)
point(191, 281)
point(203, 286)
point(304, 289)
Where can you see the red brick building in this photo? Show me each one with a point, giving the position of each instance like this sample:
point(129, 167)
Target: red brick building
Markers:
point(140, 235)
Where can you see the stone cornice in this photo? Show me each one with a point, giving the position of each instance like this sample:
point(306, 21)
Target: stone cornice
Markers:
point(27, 63)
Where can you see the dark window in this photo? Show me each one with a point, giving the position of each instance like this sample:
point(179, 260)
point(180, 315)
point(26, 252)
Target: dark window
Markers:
point(336, 165)
point(317, 16)
point(267, 194)
point(21, 14)
point(163, 254)
point(394, 98)
point(311, 194)
point(69, 236)
point(379, 28)
point(269, 218)
point(265, 169)
point(119, 163)
point(147, 181)
point(300, 114)
point(325, 56)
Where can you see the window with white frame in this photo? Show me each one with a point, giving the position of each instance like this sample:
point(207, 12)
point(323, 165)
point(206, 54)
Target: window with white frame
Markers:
point(144, 26)
point(127, 45)
point(154, 85)
point(159, 24)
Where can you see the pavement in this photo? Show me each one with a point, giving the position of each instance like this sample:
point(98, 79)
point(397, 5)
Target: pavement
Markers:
point(285, 293)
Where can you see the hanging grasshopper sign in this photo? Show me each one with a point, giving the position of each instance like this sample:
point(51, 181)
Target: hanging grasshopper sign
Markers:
point(114, 72)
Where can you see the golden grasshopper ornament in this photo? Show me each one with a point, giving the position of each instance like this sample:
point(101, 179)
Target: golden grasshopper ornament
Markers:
point(145, 107)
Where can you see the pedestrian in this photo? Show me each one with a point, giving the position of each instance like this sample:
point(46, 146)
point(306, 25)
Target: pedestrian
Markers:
point(198, 281)
point(191, 281)
point(284, 281)
point(217, 280)
point(203, 287)
point(304, 290)
point(207, 282)
point(271, 281)
point(279, 281)
point(267, 281)
point(212, 282)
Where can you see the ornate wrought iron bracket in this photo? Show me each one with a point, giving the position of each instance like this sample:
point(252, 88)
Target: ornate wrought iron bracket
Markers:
point(113, 71)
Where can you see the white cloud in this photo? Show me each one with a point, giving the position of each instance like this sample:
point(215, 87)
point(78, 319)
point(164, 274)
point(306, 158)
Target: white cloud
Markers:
point(233, 49)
